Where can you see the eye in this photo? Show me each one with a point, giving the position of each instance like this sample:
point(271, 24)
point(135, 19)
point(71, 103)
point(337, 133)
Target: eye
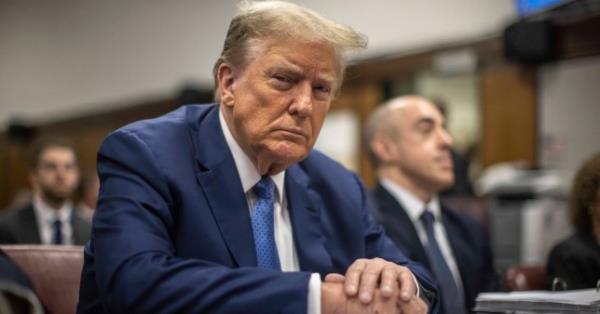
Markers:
point(281, 78)
point(425, 127)
point(281, 81)
point(322, 91)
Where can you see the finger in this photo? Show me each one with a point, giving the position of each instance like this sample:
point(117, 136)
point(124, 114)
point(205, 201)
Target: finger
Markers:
point(369, 280)
point(335, 278)
point(389, 280)
point(353, 277)
point(414, 306)
point(407, 284)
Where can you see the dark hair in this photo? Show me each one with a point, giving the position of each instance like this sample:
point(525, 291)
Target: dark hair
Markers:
point(39, 146)
point(584, 193)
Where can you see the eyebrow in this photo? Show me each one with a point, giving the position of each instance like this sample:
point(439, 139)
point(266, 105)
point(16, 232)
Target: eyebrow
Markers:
point(289, 67)
point(425, 120)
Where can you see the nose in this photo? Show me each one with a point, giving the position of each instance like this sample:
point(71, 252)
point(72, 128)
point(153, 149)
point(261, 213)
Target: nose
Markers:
point(445, 138)
point(302, 102)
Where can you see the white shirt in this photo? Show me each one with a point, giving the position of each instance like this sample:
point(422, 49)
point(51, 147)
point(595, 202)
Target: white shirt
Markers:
point(414, 208)
point(284, 239)
point(46, 216)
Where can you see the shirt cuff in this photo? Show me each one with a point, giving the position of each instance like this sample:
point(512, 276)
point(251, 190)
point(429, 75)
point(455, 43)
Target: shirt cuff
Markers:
point(416, 284)
point(314, 294)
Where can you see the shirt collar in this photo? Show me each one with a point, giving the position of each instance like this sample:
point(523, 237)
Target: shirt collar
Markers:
point(48, 213)
point(247, 171)
point(413, 206)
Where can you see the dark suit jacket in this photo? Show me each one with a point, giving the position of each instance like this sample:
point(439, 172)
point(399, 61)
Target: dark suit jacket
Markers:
point(467, 239)
point(20, 227)
point(575, 260)
point(172, 231)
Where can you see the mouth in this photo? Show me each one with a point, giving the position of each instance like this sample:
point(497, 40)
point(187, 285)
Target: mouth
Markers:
point(294, 134)
point(445, 161)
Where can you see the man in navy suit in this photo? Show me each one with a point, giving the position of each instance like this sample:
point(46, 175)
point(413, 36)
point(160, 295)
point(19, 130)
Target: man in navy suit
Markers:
point(410, 149)
point(226, 209)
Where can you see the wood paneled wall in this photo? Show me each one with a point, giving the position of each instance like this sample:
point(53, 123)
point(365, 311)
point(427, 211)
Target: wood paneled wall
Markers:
point(508, 114)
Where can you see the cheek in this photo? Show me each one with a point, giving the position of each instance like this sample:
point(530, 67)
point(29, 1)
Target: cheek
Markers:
point(317, 123)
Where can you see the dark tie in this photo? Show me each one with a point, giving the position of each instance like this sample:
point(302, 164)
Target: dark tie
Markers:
point(451, 297)
point(57, 236)
point(262, 224)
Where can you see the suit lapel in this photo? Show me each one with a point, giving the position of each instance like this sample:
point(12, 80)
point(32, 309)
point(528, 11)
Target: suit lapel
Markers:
point(80, 230)
point(222, 187)
point(306, 223)
point(394, 215)
point(28, 222)
point(459, 247)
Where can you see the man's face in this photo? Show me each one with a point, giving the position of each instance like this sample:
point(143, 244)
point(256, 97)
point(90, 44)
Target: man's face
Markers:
point(422, 146)
point(278, 102)
point(56, 175)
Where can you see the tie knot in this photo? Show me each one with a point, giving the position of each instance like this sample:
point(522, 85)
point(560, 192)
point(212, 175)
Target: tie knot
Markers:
point(57, 223)
point(427, 217)
point(264, 188)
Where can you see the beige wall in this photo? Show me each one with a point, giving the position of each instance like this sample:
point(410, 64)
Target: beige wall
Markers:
point(569, 114)
point(65, 57)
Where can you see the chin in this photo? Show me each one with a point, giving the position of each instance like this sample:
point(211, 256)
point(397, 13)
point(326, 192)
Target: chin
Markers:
point(286, 153)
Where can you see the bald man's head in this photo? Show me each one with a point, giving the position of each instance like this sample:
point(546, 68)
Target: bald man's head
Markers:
point(407, 134)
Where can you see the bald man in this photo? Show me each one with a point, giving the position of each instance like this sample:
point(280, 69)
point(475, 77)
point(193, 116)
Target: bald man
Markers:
point(410, 150)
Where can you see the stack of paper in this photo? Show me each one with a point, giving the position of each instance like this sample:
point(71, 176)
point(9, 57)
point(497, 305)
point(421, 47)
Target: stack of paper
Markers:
point(573, 301)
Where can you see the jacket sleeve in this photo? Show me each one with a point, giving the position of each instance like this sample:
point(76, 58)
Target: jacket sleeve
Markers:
point(135, 262)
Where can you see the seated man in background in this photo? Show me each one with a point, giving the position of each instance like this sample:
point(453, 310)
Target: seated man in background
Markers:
point(226, 209)
point(576, 260)
point(50, 218)
point(410, 149)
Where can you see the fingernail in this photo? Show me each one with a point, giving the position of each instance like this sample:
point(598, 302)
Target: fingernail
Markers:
point(365, 297)
point(386, 289)
point(406, 296)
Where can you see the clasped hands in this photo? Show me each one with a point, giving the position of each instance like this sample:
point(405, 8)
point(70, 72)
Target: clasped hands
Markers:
point(371, 286)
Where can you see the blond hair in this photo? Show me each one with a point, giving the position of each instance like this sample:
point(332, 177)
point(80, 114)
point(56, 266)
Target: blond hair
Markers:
point(259, 21)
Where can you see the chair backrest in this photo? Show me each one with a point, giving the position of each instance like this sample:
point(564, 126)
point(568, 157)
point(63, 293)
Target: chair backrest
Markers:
point(54, 271)
point(520, 278)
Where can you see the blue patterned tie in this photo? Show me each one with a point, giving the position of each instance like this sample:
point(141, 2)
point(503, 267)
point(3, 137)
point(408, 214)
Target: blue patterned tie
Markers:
point(262, 224)
point(57, 237)
point(452, 297)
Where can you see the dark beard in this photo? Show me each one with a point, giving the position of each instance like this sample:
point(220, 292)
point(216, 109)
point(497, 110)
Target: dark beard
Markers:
point(53, 198)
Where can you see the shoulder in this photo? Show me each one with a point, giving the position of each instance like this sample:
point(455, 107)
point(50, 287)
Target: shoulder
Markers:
point(164, 135)
point(575, 245)
point(15, 215)
point(172, 122)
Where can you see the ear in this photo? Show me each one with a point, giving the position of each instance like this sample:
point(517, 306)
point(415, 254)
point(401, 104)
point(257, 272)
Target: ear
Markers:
point(384, 149)
point(226, 78)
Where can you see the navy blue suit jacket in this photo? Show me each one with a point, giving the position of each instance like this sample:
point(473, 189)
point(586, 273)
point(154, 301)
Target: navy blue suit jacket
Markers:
point(172, 231)
point(467, 239)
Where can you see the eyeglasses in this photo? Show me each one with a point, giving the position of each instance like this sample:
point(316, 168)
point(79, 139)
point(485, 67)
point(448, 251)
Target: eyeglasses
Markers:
point(55, 167)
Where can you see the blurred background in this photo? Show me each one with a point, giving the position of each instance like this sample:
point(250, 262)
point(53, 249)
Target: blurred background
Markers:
point(520, 82)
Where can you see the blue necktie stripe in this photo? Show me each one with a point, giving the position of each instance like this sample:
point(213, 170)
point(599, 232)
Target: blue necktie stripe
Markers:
point(451, 297)
point(262, 224)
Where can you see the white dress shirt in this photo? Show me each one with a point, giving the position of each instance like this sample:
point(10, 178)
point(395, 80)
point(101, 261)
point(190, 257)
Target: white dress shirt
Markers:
point(414, 208)
point(284, 239)
point(46, 216)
